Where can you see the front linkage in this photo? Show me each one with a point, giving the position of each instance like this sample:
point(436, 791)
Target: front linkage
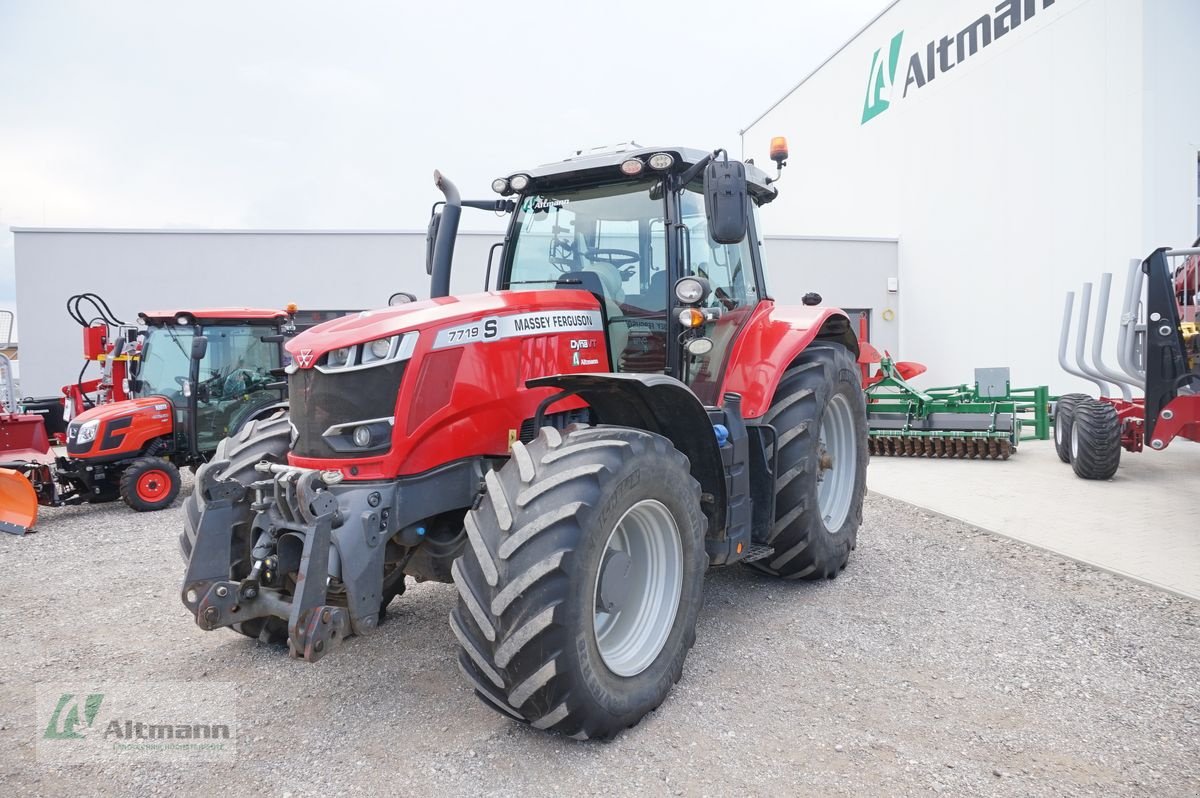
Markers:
point(294, 519)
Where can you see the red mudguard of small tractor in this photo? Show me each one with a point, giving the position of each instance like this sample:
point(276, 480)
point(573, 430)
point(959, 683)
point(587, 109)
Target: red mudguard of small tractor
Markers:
point(773, 337)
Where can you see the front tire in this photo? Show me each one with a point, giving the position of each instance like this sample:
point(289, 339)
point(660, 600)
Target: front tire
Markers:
point(149, 484)
point(581, 583)
point(819, 413)
point(1095, 440)
point(1064, 413)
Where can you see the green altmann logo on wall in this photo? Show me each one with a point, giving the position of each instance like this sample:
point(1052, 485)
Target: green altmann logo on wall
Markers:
point(943, 53)
point(883, 75)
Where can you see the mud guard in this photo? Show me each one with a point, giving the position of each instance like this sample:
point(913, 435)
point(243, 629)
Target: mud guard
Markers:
point(662, 405)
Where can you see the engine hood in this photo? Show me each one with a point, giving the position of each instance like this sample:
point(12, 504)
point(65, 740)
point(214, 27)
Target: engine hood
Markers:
point(128, 407)
point(429, 315)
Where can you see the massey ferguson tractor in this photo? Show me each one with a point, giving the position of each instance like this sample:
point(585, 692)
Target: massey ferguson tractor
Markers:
point(572, 450)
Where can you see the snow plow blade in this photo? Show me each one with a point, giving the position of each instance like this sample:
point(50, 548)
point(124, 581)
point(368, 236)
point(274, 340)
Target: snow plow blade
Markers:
point(18, 503)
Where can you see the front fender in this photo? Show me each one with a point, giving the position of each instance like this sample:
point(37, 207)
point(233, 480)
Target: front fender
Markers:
point(662, 405)
point(773, 337)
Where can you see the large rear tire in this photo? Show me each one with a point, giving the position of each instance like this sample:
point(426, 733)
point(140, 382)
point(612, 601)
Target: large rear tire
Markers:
point(262, 439)
point(819, 412)
point(1095, 440)
point(581, 583)
point(1064, 412)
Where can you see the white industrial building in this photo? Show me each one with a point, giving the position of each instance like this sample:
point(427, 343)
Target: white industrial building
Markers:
point(1014, 149)
point(330, 269)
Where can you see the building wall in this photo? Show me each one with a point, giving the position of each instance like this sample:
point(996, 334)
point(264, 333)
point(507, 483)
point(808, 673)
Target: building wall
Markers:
point(1009, 179)
point(145, 270)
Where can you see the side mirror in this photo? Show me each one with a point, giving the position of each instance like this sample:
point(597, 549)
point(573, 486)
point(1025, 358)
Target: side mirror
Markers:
point(199, 347)
point(726, 200)
point(435, 221)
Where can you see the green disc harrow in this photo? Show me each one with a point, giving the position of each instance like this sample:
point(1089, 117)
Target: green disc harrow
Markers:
point(980, 421)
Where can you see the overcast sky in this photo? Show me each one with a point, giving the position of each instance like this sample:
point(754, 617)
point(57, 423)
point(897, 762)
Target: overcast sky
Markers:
point(334, 115)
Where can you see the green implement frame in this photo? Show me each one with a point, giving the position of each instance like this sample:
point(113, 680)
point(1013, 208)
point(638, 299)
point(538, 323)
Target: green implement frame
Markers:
point(972, 421)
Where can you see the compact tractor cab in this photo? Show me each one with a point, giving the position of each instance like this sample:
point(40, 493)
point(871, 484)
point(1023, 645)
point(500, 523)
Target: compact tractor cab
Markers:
point(199, 376)
point(572, 449)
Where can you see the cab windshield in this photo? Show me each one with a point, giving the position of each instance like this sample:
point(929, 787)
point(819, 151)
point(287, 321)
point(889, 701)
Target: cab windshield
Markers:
point(237, 362)
point(608, 238)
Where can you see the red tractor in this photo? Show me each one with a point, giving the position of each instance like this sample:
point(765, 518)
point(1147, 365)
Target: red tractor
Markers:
point(572, 450)
point(192, 378)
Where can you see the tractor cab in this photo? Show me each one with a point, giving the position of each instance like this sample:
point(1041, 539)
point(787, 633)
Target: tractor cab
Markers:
point(627, 225)
point(230, 380)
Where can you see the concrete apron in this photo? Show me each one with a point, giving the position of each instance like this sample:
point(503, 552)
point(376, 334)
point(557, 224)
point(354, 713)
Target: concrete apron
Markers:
point(1143, 524)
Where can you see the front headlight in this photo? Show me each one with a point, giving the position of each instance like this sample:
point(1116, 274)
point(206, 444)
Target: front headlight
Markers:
point(87, 431)
point(392, 349)
point(379, 349)
point(339, 358)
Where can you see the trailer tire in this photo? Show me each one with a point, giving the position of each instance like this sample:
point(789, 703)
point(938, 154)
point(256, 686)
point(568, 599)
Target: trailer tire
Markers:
point(236, 456)
point(150, 483)
point(1064, 411)
point(1095, 440)
point(574, 527)
point(819, 409)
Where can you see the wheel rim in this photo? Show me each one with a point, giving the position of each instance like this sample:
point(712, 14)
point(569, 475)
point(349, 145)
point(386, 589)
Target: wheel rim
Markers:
point(153, 485)
point(1074, 441)
point(837, 462)
point(638, 584)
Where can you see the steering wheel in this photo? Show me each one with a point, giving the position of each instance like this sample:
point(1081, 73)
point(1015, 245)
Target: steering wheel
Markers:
point(230, 386)
point(617, 258)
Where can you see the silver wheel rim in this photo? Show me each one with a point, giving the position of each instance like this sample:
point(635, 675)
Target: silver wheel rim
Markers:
point(837, 462)
point(642, 563)
point(1074, 441)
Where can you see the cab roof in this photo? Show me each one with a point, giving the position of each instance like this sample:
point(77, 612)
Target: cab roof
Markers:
point(215, 315)
point(588, 165)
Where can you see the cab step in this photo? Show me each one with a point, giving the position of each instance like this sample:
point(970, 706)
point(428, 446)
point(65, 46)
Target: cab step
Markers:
point(757, 551)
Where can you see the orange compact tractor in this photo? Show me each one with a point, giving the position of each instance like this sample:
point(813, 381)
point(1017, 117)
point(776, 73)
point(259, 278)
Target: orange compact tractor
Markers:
point(188, 380)
point(573, 450)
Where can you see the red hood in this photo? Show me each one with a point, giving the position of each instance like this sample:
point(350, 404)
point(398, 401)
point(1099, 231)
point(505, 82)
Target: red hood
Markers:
point(124, 408)
point(430, 314)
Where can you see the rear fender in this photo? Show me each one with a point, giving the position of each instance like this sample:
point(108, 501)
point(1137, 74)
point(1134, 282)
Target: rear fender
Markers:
point(772, 339)
point(662, 405)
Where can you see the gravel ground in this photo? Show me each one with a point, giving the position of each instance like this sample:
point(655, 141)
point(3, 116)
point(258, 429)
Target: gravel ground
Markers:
point(944, 660)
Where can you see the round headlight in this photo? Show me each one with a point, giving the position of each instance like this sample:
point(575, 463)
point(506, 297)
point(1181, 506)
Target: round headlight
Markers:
point(690, 290)
point(381, 348)
point(699, 346)
point(500, 185)
point(519, 182)
point(661, 160)
point(339, 357)
point(632, 167)
point(362, 437)
point(182, 320)
point(691, 318)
